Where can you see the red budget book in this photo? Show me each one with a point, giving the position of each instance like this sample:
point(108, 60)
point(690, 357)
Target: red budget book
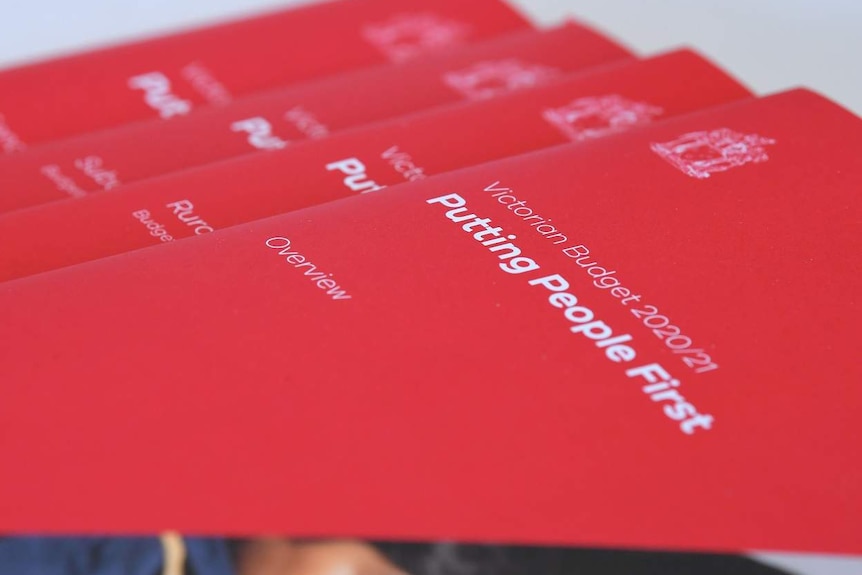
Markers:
point(273, 120)
point(648, 341)
point(196, 202)
point(170, 76)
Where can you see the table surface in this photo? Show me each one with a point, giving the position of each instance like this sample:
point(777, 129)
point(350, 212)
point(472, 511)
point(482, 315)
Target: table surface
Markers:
point(770, 45)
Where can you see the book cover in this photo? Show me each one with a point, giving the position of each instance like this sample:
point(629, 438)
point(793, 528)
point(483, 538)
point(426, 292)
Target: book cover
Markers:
point(648, 341)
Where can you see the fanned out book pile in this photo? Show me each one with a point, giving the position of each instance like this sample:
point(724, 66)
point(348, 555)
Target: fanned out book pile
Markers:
point(379, 287)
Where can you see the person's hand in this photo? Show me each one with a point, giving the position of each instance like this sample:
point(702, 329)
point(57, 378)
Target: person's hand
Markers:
point(285, 557)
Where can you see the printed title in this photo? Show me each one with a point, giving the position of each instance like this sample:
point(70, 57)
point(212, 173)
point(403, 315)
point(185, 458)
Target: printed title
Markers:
point(582, 320)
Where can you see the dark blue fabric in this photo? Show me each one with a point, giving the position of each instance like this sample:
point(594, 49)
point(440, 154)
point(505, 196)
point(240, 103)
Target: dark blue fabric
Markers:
point(107, 556)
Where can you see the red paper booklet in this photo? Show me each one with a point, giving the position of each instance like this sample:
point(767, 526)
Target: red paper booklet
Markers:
point(647, 341)
point(272, 120)
point(200, 201)
point(173, 75)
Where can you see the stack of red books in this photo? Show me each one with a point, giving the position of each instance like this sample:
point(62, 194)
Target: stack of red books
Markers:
point(385, 287)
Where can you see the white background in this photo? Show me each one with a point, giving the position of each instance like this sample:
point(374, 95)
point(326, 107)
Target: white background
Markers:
point(769, 44)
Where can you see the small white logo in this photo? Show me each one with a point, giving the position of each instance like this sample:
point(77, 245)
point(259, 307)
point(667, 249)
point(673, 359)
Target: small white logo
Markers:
point(493, 78)
point(260, 134)
point(409, 35)
point(595, 117)
point(700, 154)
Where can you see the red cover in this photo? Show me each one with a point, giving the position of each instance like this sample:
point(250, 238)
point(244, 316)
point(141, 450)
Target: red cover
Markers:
point(172, 75)
point(363, 160)
point(272, 120)
point(390, 374)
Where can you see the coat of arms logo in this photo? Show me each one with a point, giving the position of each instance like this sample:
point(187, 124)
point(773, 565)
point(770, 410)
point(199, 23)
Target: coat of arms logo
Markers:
point(493, 78)
point(701, 154)
point(594, 117)
point(408, 35)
